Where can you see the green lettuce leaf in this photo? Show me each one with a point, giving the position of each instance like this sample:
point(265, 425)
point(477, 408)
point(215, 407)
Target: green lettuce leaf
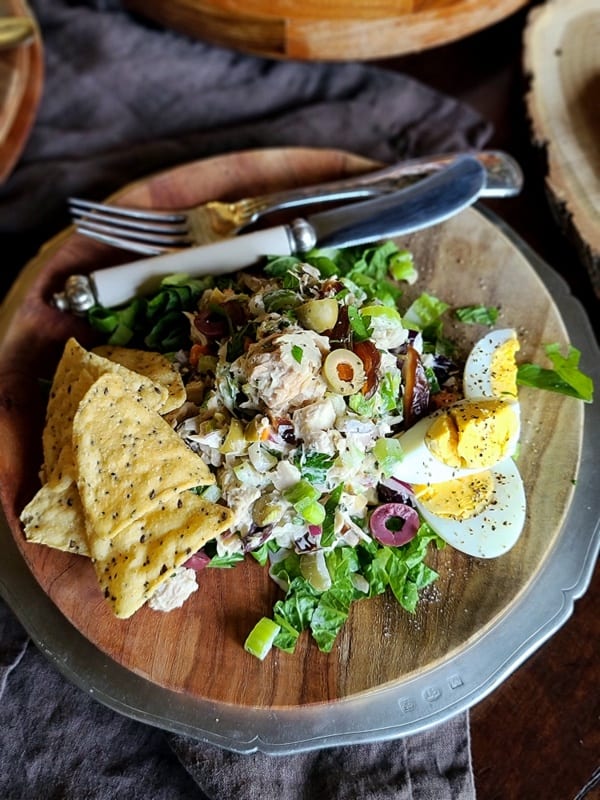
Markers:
point(402, 570)
point(156, 323)
point(566, 377)
point(477, 315)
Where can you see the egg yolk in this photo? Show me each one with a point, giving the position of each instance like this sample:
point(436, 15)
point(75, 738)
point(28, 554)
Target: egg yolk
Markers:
point(503, 372)
point(460, 498)
point(473, 435)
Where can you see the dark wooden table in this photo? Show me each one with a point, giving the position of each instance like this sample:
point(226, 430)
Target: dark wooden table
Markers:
point(536, 737)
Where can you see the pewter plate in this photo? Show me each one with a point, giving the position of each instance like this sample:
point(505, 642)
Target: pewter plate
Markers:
point(391, 711)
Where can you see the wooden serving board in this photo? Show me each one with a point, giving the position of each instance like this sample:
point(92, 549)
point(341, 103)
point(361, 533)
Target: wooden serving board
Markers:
point(562, 60)
point(199, 649)
point(21, 85)
point(328, 30)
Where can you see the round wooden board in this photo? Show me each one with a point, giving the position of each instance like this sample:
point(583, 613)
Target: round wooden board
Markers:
point(327, 30)
point(561, 56)
point(198, 649)
point(21, 83)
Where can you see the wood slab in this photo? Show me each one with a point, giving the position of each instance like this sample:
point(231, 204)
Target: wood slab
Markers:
point(21, 85)
point(326, 30)
point(198, 649)
point(562, 62)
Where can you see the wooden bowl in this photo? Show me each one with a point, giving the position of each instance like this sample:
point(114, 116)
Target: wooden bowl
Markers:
point(21, 82)
point(327, 29)
point(197, 650)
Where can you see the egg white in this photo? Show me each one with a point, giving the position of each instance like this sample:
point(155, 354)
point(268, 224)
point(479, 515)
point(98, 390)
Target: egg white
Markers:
point(420, 465)
point(478, 369)
point(496, 529)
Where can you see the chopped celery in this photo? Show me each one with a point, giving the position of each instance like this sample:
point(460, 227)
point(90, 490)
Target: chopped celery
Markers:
point(303, 496)
point(300, 493)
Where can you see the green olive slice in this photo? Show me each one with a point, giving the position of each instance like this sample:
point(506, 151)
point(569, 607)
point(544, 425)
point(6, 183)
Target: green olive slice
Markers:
point(344, 372)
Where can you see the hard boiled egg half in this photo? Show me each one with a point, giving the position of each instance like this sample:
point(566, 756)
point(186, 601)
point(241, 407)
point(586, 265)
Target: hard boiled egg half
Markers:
point(490, 369)
point(459, 459)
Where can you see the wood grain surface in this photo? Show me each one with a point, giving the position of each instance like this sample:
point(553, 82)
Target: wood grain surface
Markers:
point(562, 60)
point(198, 649)
point(332, 29)
point(21, 86)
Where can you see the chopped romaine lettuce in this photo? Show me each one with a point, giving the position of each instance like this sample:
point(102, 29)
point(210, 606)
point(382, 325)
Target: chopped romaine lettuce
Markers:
point(154, 323)
point(402, 569)
point(477, 315)
point(425, 312)
point(565, 378)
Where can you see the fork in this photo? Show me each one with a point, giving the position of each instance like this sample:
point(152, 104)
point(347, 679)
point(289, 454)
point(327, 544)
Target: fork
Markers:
point(152, 232)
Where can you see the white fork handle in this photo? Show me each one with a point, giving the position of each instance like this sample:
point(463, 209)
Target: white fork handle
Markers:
point(116, 285)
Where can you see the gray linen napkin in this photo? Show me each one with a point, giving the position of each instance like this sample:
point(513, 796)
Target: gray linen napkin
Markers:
point(57, 743)
point(13, 643)
point(434, 765)
point(123, 99)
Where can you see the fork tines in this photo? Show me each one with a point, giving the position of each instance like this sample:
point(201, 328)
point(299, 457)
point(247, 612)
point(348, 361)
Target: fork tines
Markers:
point(162, 228)
point(78, 205)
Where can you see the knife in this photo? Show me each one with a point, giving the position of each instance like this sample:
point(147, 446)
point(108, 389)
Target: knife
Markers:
point(426, 203)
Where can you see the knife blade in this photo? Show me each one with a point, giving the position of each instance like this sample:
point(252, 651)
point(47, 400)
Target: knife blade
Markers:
point(426, 203)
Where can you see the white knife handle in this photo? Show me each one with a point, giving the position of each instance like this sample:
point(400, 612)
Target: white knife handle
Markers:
point(116, 285)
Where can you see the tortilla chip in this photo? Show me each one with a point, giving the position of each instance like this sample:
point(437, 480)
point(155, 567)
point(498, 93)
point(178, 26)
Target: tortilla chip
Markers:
point(154, 366)
point(66, 394)
point(133, 564)
point(54, 517)
point(118, 475)
point(77, 370)
point(127, 458)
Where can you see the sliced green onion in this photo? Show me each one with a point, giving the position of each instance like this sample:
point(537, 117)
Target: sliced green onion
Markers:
point(303, 496)
point(313, 513)
point(260, 639)
point(402, 266)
